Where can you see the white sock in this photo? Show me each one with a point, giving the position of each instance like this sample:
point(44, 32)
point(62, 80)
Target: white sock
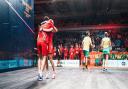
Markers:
point(40, 73)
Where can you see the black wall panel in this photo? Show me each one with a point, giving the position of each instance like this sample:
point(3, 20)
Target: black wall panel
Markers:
point(16, 38)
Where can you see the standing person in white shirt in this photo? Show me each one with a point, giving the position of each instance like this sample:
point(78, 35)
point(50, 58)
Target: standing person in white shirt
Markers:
point(106, 47)
point(86, 43)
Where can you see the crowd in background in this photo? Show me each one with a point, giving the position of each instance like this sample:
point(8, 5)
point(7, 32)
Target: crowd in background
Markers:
point(64, 52)
point(64, 41)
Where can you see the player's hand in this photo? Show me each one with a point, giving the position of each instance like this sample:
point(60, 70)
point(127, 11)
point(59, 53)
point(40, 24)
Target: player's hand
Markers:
point(54, 29)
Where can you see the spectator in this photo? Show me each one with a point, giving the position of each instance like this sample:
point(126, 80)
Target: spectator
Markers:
point(71, 53)
point(65, 53)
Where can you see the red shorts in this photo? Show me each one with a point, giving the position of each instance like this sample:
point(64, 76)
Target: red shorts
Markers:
point(42, 48)
point(50, 42)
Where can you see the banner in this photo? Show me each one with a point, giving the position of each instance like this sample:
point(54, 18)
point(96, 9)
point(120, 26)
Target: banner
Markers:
point(67, 63)
point(117, 63)
point(13, 63)
point(30, 62)
point(4, 64)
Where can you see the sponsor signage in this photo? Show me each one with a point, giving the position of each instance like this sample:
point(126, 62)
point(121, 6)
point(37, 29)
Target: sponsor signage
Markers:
point(117, 63)
point(67, 63)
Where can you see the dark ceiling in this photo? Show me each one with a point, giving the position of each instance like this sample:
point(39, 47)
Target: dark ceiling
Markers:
point(82, 12)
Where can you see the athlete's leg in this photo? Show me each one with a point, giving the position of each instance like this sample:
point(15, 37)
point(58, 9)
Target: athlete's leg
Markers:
point(46, 64)
point(39, 65)
point(44, 54)
point(52, 63)
point(86, 56)
point(86, 59)
point(43, 61)
point(47, 69)
point(39, 69)
point(106, 60)
point(39, 60)
point(83, 63)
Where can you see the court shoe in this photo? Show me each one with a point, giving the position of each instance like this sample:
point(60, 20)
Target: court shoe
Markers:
point(104, 69)
point(40, 78)
point(53, 76)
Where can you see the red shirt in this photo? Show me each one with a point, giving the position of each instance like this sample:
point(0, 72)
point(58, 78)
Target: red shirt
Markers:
point(71, 51)
point(65, 52)
point(50, 37)
point(48, 25)
point(76, 50)
point(80, 50)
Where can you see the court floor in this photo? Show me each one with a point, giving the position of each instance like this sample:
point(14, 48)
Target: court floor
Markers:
point(66, 78)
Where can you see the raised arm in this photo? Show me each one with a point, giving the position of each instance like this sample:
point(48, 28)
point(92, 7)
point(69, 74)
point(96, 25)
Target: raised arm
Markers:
point(55, 29)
